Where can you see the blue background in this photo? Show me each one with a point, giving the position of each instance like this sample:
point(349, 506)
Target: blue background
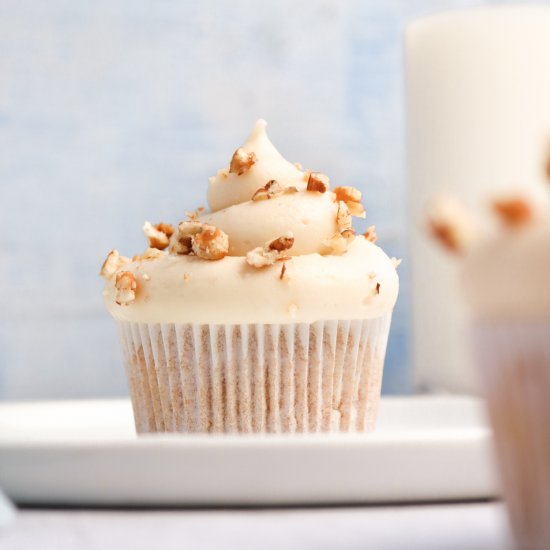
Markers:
point(115, 111)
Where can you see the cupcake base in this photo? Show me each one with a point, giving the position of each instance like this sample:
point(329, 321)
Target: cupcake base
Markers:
point(515, 368)
point(319, 377)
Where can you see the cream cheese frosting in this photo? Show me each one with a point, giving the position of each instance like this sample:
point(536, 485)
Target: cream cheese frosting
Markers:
point(308, 285)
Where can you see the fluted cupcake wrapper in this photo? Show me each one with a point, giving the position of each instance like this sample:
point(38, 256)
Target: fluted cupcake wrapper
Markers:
point(515, 367)
point(318, 377)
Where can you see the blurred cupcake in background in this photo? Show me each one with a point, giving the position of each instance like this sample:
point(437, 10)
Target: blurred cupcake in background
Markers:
point(506, 282)
point(265, 314)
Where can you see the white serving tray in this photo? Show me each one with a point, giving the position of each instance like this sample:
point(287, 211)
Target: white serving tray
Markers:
point(86, 452)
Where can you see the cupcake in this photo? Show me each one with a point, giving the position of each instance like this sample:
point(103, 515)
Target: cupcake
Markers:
point(266, 313)
point(506, 280)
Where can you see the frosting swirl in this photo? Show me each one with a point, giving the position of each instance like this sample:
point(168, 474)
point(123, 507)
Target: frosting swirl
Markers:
point(315, 283)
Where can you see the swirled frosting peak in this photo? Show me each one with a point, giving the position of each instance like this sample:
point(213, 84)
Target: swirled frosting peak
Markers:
point(276, 246)
point(227, 187)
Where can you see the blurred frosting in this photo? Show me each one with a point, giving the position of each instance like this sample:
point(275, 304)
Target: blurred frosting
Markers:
point(509, 276)
point(362, 283)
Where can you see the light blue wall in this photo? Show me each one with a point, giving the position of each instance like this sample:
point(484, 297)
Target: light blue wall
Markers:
point(115, 111)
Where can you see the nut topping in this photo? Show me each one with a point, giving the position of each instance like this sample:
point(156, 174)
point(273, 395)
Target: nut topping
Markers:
point(241, 161)
point(126, 286)
point(352, 197)
point(112, 264)
point(343, 216)
point(513, 212)
point(317, 182)
point(210, 243)
point(158, 238)
point(281, 243)
point(182, 240)
point(450, 224)
point(270, 190)
point(152, 254)
point(370, 234)
point(271, 252)
point(194, 216)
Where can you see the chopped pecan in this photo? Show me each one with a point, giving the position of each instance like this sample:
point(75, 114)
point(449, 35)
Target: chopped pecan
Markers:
point(513, 212)
point(126, 286)
point(283, 271)
point(281, 243)
point(241, 161)
point(112, 264)
point(336, 245)
point(210, 243)
point(182, 239)
point(317, 182)
point(396, 262)
point(194, 216)
point(151, 254)
point(450, 224)
point(343, 216)
point(271, 252)
point(447, 234)
point(370, 234)
point(270, 190)
point(377, 288)
point(352, 197)
point(157, 238)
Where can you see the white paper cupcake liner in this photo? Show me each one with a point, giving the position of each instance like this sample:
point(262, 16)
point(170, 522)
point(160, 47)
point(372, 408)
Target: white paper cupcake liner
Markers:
point(515, 369)
point(319, 377)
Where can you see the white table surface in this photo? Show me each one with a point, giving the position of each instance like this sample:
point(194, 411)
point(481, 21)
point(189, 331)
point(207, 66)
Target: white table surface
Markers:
point(453, 526)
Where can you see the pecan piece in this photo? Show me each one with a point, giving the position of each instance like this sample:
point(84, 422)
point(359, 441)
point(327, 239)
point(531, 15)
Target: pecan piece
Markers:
point(370, 234)
point(343, 216)
point(271, 252)
point(126, 286)
point(450, 224)
point(317, 182)
point(513, 212)
point(352, 197)
point(112, 264)
point(338, 243)
point(182, 239)
point(270, 190)
point(210, 243)
point(158, 238)
point(241, 161)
